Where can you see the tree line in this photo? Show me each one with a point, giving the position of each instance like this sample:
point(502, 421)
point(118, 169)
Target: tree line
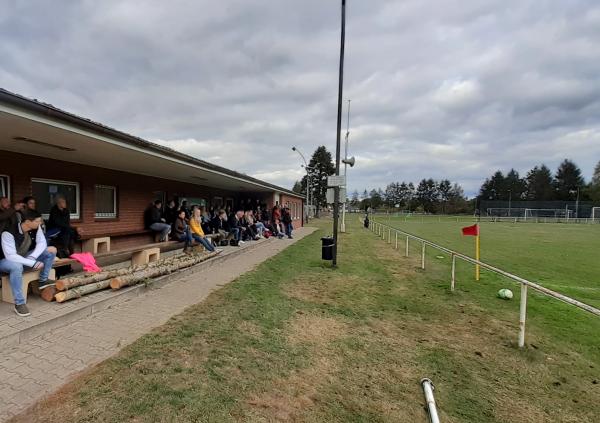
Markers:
point(540, 184)
point(442, 196)
point(429, 196)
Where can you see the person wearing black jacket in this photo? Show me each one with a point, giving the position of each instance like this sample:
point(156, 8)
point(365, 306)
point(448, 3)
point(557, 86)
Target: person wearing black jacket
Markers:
point(60, 219)
point(171, 213)
point(286, 218)
point(8, 214)
point(154, 221)
point(236, 227)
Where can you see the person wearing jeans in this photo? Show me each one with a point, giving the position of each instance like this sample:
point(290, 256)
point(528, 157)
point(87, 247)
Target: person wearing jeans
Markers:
point(155, 221)
point(197, 232)
point(24, 246)
point(286, 218)
point(182, 231)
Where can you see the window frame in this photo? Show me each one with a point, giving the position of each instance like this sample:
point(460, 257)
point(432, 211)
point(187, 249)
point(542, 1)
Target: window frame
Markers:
point(7, 187)
point(113, 215)
point(77, 214)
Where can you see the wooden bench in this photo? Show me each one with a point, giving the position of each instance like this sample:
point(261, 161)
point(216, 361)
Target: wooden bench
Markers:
point(28, 277)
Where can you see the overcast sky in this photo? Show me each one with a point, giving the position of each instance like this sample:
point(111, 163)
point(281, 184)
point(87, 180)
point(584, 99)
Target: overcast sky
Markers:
point(442, 89)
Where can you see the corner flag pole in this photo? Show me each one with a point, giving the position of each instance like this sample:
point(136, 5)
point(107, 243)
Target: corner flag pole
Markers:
point(477, 245)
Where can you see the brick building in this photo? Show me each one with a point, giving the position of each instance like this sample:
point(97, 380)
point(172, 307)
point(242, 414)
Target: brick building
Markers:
point(110, 177)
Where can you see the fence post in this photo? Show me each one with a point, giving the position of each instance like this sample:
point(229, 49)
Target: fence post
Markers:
point(406, 254)
point(396, 240)
point(389, 236)
point(423, 256)
point(453, 273)
point(522, 315)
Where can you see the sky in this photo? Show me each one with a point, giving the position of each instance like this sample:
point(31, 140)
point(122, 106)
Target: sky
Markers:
point(443, 89)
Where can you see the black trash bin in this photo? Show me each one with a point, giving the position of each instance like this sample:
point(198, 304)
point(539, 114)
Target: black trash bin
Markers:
point(327, 248)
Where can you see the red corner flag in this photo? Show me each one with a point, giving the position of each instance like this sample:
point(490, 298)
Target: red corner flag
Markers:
point(471, 230)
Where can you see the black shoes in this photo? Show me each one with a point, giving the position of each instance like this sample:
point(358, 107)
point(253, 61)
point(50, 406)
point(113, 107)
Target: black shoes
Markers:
point(22, 310)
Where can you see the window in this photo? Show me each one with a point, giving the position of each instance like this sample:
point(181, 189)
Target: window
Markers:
point(4, 186)
point(106, 201)
point(45, 192)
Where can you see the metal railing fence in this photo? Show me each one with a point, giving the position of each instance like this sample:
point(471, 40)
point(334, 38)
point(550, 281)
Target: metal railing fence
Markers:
point(382, 230)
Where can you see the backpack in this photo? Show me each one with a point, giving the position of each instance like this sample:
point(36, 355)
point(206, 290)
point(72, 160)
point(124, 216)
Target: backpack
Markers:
point(233, 243)
point(267, 233)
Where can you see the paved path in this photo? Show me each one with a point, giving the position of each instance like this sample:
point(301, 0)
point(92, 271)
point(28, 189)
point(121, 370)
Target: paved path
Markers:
point(39, 366)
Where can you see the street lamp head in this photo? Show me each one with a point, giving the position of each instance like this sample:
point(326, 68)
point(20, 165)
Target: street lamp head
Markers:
point(293, 148)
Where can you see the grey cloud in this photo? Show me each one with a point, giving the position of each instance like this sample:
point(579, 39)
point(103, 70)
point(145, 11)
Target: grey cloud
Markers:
point(450, 89)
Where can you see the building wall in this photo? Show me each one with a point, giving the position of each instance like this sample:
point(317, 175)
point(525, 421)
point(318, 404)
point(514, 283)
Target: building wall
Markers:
point(134, 192)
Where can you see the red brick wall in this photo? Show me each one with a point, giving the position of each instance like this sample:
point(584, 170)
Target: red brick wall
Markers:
point(296, 207)
point(134, 192)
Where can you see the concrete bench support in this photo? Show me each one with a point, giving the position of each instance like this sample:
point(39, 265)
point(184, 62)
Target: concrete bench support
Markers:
point(145, 256)
point(97, 245)
point(28, 277)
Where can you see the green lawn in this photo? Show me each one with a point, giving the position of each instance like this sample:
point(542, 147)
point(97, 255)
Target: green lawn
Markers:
point(297, 341)
point(562, 257)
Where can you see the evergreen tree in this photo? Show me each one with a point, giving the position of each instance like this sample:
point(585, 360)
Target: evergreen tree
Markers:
point(323, 167)
point(515, 185)
point(376, 198)
point(494, 187)
point(298, 187)
point(427, 195)
point(568, 181)
point(540, 184)
point(596, 176)
point(444, 188)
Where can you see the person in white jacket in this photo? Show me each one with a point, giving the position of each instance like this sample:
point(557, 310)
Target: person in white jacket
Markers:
point(24, 246)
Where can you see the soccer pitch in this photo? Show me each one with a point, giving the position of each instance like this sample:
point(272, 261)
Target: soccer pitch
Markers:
point(562, 257)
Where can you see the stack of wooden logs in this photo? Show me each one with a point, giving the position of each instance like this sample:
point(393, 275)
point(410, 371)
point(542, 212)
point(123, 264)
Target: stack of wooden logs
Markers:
point(78, 286)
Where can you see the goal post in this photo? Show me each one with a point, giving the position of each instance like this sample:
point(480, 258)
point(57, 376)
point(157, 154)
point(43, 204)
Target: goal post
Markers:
point(552, 213)
point(595, 214)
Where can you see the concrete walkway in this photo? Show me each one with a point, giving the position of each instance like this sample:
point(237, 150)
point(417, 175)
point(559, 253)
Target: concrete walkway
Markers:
point(39, 366)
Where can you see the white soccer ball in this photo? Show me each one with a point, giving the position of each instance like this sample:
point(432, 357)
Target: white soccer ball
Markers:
point(505, 294)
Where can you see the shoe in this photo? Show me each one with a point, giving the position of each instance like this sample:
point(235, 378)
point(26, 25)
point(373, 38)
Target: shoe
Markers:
point(290, 237)
point(45, 284)
point(219, 250)
point(22, 310)
point(187, 250)
point(241, 242)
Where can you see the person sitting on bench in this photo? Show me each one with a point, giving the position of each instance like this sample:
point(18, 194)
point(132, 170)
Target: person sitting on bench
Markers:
point(24, 246)
point(60, 220)
point(155, 221)
point(197, 232)
point(181, 231)
point(8, 214)
point(220, 226)
point(236, 227)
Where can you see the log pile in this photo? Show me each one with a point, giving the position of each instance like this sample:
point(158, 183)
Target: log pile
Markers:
point(78, 286)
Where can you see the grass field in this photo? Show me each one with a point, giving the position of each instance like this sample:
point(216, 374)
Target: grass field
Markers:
point(562, 257)
point(296, 341)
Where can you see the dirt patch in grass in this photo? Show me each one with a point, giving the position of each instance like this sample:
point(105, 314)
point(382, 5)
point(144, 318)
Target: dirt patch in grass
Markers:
point(315, 330)
point(292, 397)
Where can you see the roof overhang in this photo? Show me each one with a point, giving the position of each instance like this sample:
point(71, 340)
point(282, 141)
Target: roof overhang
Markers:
point(34, 128)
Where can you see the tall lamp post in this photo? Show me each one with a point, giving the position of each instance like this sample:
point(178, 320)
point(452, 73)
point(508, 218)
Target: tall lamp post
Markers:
point(307, 182)
point(336, 196)
point(509, 202)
